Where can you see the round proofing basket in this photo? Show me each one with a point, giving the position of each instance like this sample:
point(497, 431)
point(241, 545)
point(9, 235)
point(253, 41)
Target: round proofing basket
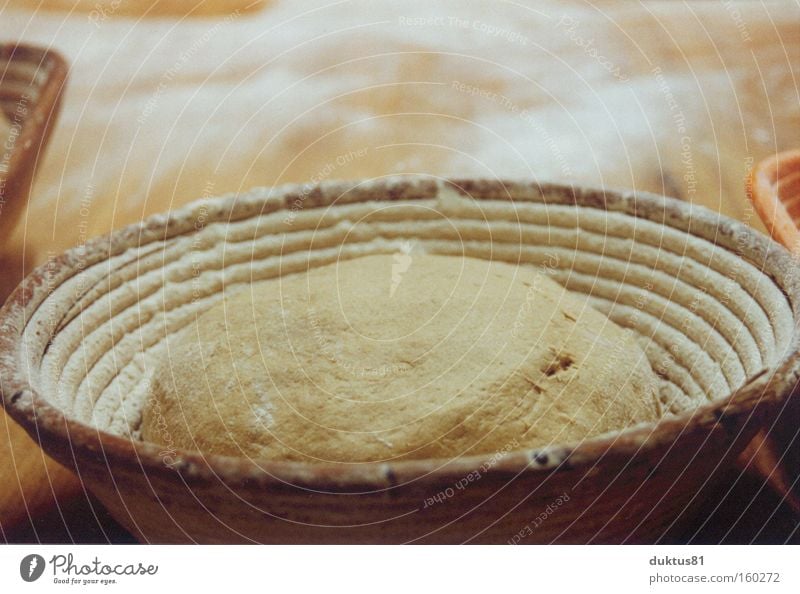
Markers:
point(714, 305)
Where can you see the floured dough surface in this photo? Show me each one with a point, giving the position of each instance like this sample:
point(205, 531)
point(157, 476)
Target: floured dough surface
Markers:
point(398, 356)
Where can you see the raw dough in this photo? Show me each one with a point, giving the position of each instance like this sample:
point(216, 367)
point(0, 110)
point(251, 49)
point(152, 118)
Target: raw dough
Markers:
point(398, 356)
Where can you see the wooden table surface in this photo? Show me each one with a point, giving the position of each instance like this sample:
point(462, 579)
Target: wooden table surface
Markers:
point(162, 108)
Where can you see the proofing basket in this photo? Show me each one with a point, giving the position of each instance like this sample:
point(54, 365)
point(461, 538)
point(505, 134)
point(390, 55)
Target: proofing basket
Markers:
point(713, 303)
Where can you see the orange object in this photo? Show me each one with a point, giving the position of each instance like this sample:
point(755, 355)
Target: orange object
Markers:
point(774, 189)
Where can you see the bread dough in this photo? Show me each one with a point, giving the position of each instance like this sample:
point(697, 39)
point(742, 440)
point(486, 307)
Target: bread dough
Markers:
point(398, 356)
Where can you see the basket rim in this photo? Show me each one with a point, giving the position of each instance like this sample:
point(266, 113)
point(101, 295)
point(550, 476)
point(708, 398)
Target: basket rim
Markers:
point(74, 440)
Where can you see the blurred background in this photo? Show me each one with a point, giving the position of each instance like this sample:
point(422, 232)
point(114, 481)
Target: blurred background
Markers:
point(167, 103)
